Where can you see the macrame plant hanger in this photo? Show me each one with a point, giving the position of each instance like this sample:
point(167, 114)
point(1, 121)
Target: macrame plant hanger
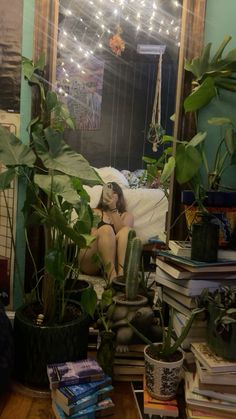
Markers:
point(156, 111)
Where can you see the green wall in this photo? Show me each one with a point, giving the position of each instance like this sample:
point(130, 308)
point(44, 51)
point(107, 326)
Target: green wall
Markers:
point(25, 116)
point(220, 21)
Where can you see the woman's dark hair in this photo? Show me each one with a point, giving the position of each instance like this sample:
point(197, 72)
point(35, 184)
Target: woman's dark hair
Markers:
point(120, 205)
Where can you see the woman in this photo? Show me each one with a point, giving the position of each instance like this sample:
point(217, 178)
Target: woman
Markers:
point(111, 233)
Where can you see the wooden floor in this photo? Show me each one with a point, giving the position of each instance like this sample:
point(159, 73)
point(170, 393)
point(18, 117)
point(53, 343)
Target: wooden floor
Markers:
point(21, 403)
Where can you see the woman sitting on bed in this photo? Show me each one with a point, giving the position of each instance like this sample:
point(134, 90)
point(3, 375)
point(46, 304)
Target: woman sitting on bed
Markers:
point(111, 233)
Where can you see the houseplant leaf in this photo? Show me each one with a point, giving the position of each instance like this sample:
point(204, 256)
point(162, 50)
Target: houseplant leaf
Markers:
point(59, 156)
point(58, 185)
point(188, 161)
point(13, 152)
point(6, 178)
point(201, 96)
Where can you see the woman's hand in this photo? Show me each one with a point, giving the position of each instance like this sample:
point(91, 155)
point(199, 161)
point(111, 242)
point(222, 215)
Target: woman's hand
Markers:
point(109, 198)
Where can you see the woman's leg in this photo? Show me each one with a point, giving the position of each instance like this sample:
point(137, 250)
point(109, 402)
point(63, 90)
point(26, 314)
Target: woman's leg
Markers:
point(105, 245)
point(122, 238)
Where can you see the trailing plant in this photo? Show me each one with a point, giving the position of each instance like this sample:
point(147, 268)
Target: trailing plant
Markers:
point(53, 175)
point(168, 347)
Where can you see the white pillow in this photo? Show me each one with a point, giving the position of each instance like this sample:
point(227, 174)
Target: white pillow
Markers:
point(110, 174)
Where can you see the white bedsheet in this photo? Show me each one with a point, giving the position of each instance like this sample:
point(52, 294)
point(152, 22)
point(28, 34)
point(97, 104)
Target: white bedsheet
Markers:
point(148, 206)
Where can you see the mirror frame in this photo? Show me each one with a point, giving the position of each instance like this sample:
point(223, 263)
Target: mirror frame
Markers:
point(191, 44)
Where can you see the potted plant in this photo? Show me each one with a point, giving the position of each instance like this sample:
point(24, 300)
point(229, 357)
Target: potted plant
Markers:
point(50, 327)
point(194, 168)
point(220, 308)
point(164, 360)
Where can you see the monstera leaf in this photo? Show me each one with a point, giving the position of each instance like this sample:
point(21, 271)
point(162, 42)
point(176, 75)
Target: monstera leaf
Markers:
point(58, 185)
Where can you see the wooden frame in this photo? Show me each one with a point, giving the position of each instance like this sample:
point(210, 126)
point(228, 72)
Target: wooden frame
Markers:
point(191, 43)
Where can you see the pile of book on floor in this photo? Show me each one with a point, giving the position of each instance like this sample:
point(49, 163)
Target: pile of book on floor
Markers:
point(211, 391)
point(80, 390)
point(181, 281)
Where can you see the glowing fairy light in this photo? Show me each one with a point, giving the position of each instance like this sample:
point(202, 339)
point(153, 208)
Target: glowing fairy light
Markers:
point(100, 45)
point(64, 32)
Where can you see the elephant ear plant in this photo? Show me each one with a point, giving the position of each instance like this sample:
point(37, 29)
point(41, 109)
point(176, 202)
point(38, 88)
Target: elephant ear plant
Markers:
point(53, 175)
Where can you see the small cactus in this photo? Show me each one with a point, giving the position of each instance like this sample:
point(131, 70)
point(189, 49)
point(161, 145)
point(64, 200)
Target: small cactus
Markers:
point(132, 279)
point(131, 235)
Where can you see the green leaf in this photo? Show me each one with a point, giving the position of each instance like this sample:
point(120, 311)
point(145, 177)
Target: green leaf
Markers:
point(27, 67)
point(89, 301)
point(6, 178)
point(51, 100)
point(13, 152)
point(201, 96)
point(58, 185)
point(199, 65)
point(229, 140)
point(54, 264)
point(107, 299)
point(40, 63)
point(168, 169)
point(219, 121)
point(221, 48)
point(62, 158)
point(188, 162)
point(197, 139)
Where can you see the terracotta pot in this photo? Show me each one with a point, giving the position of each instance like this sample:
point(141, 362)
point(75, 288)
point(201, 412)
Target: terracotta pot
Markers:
point(162, 377)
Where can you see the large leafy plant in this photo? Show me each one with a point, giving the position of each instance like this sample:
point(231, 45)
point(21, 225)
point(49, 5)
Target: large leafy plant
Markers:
point(55, 199)
point(191, 163)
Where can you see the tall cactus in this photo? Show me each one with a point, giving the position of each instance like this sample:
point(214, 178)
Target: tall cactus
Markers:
point(132, 280)
point(131, 235)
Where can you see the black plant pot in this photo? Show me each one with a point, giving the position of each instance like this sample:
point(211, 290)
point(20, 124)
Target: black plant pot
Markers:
point(220, 204)
point(37, 346)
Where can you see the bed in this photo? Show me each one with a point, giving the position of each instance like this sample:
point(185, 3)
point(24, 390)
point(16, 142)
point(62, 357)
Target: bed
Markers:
point(149, 206)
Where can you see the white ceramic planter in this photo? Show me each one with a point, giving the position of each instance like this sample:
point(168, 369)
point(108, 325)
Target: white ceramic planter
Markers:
point(162, 378)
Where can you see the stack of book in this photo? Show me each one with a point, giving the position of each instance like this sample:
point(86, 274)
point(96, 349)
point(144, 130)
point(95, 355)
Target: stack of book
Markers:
point(211, 391)
point(182, 280)
point(80, 390)
point(148, 406)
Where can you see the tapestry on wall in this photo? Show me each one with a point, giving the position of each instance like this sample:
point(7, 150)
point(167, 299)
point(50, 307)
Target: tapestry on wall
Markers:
point(82, 91)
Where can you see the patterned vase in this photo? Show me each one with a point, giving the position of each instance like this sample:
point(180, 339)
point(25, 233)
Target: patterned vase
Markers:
point(162, 378)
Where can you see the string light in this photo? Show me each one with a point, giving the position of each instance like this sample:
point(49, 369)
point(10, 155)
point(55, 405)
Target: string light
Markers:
point(88, 26)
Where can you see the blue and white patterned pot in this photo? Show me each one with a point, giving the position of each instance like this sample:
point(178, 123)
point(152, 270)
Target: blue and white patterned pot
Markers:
point(162, 378)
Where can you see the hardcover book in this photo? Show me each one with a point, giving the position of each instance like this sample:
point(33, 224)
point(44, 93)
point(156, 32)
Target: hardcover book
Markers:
point(72, 393)
point(84, 402)
point(67, 373)
point(190, 287)
point(179, 271)
point(105, 405)
point(222, 265)
point(210, 360)
point(221, 378)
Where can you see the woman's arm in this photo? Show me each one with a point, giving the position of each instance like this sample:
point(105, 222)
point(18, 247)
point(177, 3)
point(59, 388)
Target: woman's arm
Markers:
point(119, 221)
